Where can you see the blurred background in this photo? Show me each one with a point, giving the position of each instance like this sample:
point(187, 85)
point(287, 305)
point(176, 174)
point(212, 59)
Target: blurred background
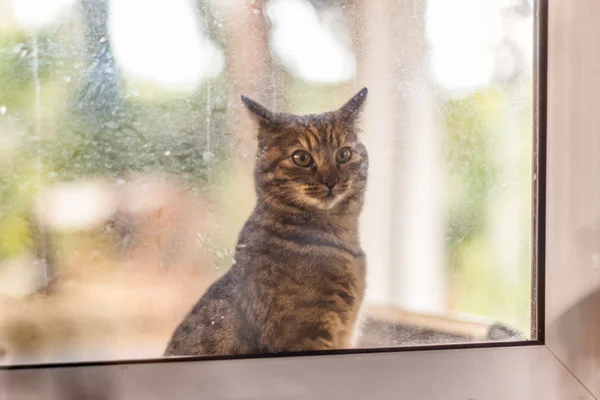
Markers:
point(126, 157)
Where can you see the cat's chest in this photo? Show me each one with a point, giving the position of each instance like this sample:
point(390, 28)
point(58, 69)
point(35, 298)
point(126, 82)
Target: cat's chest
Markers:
point(303, 251)
point(321, 273)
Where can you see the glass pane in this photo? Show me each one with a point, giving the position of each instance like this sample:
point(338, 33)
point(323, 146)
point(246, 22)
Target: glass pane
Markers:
point(136, 183)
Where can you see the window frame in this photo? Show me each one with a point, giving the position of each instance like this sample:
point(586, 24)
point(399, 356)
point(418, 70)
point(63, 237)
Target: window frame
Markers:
point(468, 370)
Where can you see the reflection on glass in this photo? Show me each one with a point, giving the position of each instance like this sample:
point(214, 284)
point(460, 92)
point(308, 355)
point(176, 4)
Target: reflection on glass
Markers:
point(126, 161)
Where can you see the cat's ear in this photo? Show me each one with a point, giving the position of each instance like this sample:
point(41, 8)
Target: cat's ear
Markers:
point(264, 116)
point(353, 106)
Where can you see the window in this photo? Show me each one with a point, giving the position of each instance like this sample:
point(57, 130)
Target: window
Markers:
point(127, 156)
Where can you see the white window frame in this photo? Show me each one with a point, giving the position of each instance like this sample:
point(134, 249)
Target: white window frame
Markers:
point(540, 369)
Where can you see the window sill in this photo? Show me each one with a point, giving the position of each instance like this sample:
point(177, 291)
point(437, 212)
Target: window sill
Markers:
point(523, 372)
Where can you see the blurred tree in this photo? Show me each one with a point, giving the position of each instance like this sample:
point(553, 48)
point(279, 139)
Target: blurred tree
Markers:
point(250, 71)
point(98, 107)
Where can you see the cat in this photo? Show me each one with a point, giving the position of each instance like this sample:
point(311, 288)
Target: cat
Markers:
point(298, 281)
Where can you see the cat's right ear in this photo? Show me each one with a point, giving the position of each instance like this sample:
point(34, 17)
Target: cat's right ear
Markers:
point(263, 115)
point(352, 108)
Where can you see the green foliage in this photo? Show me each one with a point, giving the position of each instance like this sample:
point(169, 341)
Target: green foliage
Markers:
point(15, 235)
point(182, 136)
point(95, 125)
point(469, 143)
point(477, 127)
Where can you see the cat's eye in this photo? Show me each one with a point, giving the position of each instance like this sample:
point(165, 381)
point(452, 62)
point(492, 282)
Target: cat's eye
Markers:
point(344, 155)
point(302, 158)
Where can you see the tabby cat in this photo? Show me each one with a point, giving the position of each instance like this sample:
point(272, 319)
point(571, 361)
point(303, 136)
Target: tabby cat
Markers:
point(299, 277)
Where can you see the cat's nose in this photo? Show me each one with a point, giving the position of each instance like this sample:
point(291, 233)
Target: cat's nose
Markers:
point(328, 177)
point(329, 181)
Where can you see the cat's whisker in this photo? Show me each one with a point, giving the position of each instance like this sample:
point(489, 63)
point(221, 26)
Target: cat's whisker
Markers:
point(273, 195)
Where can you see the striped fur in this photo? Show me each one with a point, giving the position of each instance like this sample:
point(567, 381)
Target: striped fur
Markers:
point(299, 277)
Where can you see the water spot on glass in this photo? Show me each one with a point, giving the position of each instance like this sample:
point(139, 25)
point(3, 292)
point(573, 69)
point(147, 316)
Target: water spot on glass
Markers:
point(167, 153)
point(102, 39)
point(208, 156)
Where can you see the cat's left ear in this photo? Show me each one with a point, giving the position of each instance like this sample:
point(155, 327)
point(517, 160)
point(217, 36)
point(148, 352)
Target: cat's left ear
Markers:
point(352, 108)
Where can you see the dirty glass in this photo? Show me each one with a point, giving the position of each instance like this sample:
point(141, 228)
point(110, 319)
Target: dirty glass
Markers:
point(126, 161)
